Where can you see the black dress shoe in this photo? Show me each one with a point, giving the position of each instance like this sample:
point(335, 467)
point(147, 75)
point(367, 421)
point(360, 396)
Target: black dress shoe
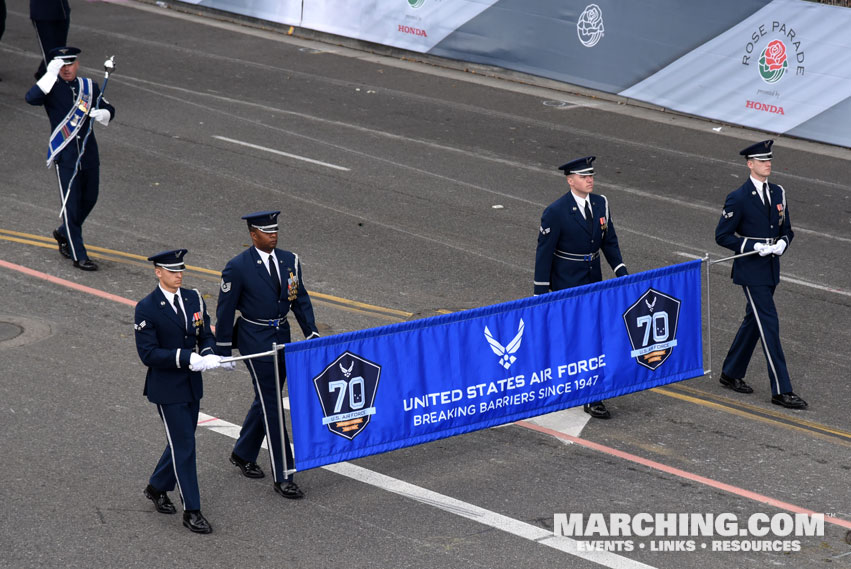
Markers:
point(86, 265)
point(64, 250)
point(249, 469)
point(289, 490)
point(160, 500)
point(789, 400)
point(195, 521)
point(735, 384)
point(59, 237)
point(597, 409)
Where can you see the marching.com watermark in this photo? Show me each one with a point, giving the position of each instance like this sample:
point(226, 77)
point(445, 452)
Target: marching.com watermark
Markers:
point(777, 532)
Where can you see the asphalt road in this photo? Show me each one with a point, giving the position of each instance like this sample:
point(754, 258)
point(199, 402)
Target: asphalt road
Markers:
point(393, 217)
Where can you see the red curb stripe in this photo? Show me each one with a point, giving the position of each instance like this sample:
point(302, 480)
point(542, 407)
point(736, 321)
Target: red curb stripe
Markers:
point(66, 283)
point(582, 442)
point(683, 474)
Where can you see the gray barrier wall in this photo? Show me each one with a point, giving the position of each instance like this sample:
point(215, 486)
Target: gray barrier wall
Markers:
point(782, 65)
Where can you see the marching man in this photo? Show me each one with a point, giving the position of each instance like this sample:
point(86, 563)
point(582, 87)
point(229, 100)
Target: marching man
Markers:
point(264, 284)
point(755, 219)
point(172, 327)
point(574, 230)
point(71, 102)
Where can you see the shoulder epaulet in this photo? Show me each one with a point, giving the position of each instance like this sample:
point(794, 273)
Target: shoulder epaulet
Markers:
point(606, 201)
point(783, 195)
point(200, 300)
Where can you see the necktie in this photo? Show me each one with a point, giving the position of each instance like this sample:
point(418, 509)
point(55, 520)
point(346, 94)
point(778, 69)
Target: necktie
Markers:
point(274, 273)
point(588, 216)
point(766, 198)
point(180, 313)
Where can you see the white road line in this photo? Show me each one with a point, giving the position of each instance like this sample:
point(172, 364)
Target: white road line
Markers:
point(442, 147)
point(453, 506)
point(568, 421)
point(706, 208)
point(481, 515)
point(282, 153)
point(792, 280)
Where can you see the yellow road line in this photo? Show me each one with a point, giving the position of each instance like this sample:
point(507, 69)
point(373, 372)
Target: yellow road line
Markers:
point(757, 414)
point(754, 408)
point(678, 391)
point(28, 242)
point(41, 241)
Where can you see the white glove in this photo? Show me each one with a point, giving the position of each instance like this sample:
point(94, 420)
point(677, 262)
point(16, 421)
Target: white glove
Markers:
point(763, 248)
point(779, 247)
point(211, 361)
point(55, 65)
point(228, 366)
point(50, 76)
point(100, 115)
point(196, 362)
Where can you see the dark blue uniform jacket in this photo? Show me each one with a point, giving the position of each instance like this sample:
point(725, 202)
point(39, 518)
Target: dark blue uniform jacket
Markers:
point(58, 103)
point(247, 287)
point(744, 223)
point(564, 234)
point(164, 345)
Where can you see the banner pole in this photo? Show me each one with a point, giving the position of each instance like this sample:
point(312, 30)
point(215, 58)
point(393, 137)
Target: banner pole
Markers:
point(280, 395)
point(708, 316)
point(709, 298)
point(731, 258)
point(248, 357)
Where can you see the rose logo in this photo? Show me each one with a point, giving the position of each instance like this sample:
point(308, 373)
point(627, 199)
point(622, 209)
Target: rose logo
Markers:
point(415, 3)
point(589, 26)
point(772, 62)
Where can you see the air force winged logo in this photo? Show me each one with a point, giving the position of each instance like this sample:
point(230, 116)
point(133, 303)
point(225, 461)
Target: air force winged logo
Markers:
point(505, 353)
point(346, 390)
point(652, 327)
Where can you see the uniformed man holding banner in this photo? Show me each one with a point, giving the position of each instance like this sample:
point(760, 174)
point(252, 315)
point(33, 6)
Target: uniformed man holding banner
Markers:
point(755, 224)
point(71, 102)
point(175, 342)
point(574, 230)
point(263, 283)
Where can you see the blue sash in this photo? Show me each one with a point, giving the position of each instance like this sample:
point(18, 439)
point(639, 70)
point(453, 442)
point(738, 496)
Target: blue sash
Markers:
point(73, 121)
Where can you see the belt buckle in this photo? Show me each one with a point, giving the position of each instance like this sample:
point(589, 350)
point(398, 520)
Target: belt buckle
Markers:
point(588, 258)
point(276, 322)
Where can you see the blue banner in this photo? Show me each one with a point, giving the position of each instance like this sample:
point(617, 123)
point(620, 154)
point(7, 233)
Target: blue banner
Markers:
point(381, 389)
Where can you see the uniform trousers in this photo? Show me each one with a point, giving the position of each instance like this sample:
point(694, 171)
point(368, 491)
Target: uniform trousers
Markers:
point(51, 34)
point(177, 463)
point(760, 323)
point(81, 202)
point(265, 419)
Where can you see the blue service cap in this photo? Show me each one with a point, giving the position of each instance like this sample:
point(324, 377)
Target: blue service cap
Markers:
point(67, 53)
point(265, 221)
point(170, 260)
point(759, 151)
point(581, 166)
